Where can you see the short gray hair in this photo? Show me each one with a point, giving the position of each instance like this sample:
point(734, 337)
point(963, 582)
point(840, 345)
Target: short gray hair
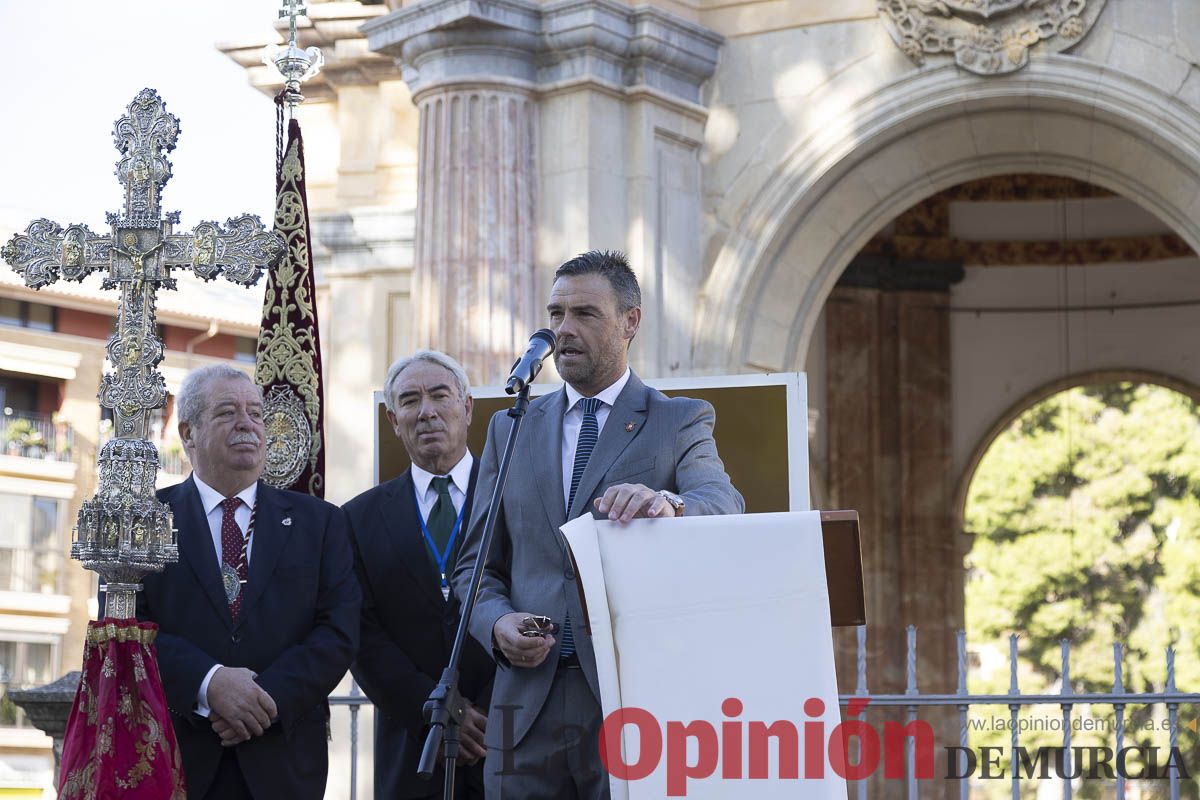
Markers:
point(430, 357)
point(193, 394)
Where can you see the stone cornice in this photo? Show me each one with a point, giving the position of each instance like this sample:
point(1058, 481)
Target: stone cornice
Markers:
point(522, 43)
point(356, 242)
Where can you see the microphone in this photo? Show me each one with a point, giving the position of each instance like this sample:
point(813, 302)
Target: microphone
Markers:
point(541, 345)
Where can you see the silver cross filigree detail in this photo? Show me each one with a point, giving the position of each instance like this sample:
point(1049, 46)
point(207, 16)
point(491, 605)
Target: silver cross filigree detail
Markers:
point(124, 532)
point(292, 9)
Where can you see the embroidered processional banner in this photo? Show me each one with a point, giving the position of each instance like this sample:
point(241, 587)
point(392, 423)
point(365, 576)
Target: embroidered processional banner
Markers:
point(119, 743)
point(288, 360)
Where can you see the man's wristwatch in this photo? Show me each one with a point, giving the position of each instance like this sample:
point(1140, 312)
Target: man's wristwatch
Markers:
point(675, 500)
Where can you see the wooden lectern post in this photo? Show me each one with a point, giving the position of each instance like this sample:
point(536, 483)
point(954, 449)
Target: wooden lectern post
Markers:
point(843, 568)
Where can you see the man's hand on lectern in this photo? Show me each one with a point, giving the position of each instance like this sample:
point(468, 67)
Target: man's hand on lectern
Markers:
point(519, 649)
point(627, 501)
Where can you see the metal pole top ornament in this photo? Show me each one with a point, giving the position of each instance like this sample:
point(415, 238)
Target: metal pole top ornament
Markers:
point(124, 532)
point(294, 64)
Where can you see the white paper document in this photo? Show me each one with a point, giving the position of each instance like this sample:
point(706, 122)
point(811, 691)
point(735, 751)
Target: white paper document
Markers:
point(719, 628)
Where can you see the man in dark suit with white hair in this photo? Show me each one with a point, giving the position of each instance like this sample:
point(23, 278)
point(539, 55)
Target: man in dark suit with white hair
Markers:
point(406, 534)
point(258, 620)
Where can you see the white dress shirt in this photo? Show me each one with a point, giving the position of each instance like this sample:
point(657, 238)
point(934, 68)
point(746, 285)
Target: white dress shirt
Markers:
point(460, 481)
point(573, 421)
point(210, 501)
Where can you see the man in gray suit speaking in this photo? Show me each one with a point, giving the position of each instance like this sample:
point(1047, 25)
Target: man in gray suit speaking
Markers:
point(604, 443)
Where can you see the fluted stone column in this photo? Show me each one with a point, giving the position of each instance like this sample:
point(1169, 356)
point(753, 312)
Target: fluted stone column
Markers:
point(471, 76)
point(548, 129)
point(475, 281)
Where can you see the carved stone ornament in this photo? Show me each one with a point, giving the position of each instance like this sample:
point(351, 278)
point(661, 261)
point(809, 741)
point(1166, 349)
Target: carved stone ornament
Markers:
point(987, 37)
point(289, 436)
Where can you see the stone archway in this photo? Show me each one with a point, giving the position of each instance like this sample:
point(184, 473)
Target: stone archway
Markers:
point(932, 130)
point(869, 161)
point(1076, 505)
point(1032, 398)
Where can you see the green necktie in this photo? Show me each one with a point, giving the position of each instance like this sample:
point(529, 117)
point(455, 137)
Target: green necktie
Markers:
point(442, 516)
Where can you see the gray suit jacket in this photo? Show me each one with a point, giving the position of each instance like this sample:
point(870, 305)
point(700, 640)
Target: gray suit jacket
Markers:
point(664, 443)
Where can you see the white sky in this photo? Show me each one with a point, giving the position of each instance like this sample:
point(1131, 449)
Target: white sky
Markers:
point(68, 68)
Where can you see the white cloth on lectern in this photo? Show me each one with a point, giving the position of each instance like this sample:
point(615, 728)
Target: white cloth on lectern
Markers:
point(687, 612)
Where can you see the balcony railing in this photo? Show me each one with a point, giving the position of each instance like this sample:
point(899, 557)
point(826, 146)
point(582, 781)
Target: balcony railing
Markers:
point(171, 461)
point(36, 436)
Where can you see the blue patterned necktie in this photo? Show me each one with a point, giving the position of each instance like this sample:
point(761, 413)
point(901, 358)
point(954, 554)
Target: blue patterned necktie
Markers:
point(589, 431)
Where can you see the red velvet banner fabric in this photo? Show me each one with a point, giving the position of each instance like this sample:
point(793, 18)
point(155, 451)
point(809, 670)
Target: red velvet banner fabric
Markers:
point(119, 741)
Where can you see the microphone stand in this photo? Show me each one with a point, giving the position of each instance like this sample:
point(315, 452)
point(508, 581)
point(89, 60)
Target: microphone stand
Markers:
point(445, 707)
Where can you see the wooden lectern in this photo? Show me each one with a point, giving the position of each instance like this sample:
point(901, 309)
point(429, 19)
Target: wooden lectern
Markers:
point(843, 568)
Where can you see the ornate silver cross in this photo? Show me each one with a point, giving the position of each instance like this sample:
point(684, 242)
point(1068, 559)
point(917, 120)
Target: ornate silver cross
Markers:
point(292, 9)
point(124, 531)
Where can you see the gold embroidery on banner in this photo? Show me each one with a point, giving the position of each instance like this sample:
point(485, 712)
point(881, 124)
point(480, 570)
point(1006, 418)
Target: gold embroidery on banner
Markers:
point(81, 783)
point(139, 666)
point(103, 634)
point(125, 706)
point(147, 747)
point(104, 738)
point(138, 720)
point(285, 352)
point(87, 702)
point(179, 790)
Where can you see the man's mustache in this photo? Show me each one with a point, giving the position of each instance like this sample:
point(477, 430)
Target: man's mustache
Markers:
point(245, 438)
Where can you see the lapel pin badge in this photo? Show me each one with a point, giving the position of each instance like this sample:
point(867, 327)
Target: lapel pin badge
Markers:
point(629, 427)
point(286, 522)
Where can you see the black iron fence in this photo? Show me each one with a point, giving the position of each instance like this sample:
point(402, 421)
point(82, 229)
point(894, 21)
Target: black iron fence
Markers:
point(1024, 767)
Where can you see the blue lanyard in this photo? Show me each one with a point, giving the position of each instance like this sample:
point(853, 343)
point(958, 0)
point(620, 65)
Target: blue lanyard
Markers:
point(444, 557)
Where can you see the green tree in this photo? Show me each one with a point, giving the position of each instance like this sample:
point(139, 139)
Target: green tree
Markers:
point(1086, 518)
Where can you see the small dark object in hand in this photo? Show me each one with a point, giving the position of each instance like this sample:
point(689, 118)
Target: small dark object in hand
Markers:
point(536, 625)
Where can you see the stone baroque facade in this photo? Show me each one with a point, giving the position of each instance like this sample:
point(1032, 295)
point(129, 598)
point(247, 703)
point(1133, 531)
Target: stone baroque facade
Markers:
point(542, 126)
point(744, 154)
